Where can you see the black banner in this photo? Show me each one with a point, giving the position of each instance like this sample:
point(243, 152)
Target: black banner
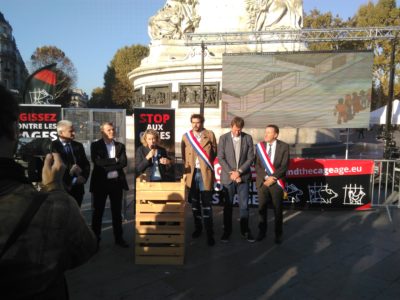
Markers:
point(39, 121)
point(161, 120)
point(329, 192)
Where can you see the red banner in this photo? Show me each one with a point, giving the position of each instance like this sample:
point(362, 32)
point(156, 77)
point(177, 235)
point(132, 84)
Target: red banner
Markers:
point(328, 183)
point(300, 167)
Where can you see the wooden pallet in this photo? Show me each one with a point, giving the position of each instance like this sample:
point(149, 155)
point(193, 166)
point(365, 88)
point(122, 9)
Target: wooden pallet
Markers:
point(160, 218)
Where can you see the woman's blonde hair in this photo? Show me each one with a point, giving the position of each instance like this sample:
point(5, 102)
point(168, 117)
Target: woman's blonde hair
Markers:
point(149, 132)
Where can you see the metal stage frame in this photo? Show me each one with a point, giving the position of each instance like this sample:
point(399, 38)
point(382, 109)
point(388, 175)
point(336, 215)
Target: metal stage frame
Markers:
point(293, 36)
point(306, 36)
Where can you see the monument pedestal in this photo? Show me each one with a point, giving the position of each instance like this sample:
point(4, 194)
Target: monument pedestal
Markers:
point(172, 71)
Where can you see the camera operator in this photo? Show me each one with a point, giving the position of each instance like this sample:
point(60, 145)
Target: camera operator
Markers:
point(74, 158)
point(53, 239)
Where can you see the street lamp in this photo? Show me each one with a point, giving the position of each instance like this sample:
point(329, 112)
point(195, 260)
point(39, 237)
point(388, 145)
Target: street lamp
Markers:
point(203, 48)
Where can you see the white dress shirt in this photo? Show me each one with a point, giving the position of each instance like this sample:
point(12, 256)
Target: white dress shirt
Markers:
point(111, 154)
point(273, 150)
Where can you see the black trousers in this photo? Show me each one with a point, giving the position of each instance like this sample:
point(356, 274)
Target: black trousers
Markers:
point(99, 202)
point(272, 194)
point(77, 194)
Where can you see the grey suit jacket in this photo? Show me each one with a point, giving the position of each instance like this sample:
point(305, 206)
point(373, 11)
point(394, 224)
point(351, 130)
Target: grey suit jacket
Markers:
point(281, 163)
point(227, 159)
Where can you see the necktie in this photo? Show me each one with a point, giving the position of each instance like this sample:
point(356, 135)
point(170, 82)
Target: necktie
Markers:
point(269, 150)
point(70, 153)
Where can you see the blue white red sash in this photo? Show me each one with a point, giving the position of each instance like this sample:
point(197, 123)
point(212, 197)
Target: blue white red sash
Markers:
point(199, 149)
point(268, 165)
point(217, 175)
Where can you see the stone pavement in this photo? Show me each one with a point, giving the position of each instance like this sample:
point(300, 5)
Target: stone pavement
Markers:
point(324, 255)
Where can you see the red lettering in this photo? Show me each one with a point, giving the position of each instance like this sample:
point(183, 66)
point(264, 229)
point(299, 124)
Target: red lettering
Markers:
point(154, 118)
point(165, 118)
point(50, 118)
point(34, 117)
point(157, 118)
point(142, 118)
point(22, 117)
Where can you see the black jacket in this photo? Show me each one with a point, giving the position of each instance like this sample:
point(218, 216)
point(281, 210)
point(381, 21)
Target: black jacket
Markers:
point(281, 163)
point(103, 164)
point(143, 165)
point(81, 161)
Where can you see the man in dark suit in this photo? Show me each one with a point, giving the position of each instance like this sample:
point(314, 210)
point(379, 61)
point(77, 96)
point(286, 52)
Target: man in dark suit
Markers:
point(235, 155)
point(74, 157)
point(108, 179)
point(272, 160)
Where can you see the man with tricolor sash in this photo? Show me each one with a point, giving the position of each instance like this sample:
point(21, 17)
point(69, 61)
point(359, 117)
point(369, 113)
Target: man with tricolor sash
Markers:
point(199, 149)
point(272, 160)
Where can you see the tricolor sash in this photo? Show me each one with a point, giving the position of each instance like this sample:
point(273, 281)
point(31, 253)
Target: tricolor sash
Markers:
point(268, 165)
point(199, 149)
point(217, 175)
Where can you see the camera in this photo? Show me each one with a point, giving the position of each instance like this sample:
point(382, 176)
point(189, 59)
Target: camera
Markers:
point(32, 152)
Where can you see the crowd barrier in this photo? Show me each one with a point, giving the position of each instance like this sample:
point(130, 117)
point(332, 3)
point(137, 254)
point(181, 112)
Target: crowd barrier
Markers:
point(385, 187)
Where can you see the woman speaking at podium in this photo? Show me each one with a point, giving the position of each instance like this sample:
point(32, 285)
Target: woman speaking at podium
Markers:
point(151, 159)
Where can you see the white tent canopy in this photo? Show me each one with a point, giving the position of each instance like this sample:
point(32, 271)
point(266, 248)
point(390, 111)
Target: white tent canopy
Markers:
point(378, 116)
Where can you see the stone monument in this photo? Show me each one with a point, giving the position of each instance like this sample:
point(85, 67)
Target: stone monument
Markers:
point(170, 76)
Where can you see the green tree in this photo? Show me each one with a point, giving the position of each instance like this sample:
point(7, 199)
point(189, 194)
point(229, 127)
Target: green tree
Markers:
point(118, 91)
point(317, 20)
point(383, 13)
point(97, 98)
point(66, 72)
point(109, 86)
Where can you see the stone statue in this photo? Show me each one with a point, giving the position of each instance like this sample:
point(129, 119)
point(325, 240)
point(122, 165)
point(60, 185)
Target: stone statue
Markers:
point(175, 19)
point(273, 14)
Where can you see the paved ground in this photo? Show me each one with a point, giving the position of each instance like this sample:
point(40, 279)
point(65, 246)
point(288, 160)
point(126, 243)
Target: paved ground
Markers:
point(324, 255)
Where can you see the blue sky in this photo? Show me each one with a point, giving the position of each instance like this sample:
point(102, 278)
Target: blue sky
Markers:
point(91, 31)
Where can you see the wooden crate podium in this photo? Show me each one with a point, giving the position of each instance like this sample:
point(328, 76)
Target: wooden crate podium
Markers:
point(160, 222)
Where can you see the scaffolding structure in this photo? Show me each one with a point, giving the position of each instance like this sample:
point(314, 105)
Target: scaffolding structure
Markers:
point(307, 36)
point(293, 36)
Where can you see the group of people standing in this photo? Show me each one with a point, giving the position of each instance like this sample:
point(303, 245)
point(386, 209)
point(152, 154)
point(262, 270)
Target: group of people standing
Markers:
point(108, 177)
point(43, 234)
point(235, 151)
point(236, 154)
